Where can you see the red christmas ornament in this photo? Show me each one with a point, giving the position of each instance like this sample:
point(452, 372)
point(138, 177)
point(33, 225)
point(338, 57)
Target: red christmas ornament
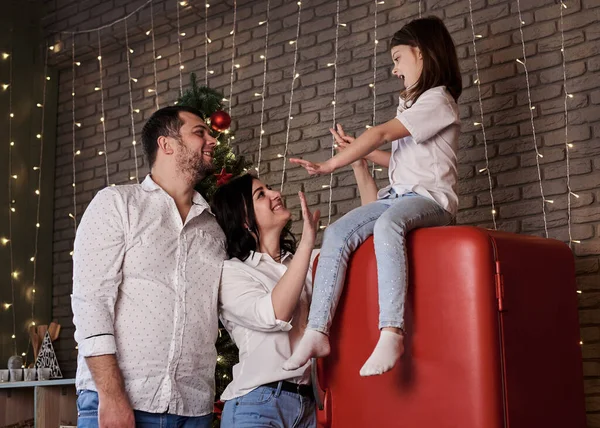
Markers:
point(218, 408)
point(223, 177)
point(220, 121)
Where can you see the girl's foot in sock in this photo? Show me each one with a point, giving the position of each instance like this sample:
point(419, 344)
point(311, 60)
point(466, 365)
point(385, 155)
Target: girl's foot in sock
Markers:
point(388, 350)
point(313, 344)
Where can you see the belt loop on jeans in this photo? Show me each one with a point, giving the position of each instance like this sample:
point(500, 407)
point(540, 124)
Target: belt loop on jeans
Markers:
point(278, 390)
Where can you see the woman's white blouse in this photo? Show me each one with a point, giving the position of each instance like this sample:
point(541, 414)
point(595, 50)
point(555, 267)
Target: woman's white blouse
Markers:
point(247, 313)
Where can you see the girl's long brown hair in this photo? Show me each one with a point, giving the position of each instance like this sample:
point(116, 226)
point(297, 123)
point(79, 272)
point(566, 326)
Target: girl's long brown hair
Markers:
point(440, 63)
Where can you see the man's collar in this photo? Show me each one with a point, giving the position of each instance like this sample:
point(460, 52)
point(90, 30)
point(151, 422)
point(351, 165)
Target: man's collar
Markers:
point(149, 185)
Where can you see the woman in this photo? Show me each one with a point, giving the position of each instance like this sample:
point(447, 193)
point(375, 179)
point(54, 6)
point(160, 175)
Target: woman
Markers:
point(263, 302)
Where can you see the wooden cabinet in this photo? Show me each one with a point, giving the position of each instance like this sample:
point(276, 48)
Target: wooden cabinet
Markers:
point(43, 404)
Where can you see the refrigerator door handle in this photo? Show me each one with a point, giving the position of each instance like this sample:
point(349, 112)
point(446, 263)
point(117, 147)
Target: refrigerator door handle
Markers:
point(317, 391)
point(322, 398)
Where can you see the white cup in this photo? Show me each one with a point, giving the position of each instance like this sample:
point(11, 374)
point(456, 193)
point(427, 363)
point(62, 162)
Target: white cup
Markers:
point(29, 374)
point(44, 373)
point(16, 375)
point(4, 373)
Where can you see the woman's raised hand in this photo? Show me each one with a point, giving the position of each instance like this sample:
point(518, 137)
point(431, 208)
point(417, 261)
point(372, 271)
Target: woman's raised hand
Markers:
point(311, 222)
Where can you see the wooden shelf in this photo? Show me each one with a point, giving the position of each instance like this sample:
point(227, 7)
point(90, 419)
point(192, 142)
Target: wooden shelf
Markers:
point(49, 403)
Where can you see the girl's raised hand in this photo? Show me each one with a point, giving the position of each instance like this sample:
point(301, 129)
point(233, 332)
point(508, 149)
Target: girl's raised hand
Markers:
point(342, 141)
point(313, 168)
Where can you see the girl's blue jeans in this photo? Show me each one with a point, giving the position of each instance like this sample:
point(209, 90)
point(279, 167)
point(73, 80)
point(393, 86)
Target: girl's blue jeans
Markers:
point(389, 220)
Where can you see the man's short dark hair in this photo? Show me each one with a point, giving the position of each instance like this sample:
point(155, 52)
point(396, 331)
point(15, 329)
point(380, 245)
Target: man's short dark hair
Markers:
point(164, 122)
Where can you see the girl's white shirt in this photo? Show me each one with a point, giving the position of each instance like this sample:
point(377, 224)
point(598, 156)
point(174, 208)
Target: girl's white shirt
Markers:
point(425, 162)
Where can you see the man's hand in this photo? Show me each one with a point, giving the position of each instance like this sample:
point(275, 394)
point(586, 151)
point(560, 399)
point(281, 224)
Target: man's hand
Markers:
point(115, 412)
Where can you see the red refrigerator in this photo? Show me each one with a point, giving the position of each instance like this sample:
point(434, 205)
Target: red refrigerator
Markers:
point(492, 337)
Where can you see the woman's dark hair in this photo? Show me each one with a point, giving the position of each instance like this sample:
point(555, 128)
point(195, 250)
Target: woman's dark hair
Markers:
point(233, 206)
point(440, 63)
point(164, 122)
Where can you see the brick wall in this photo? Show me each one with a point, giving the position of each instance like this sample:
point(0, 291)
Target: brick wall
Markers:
point(512, 157)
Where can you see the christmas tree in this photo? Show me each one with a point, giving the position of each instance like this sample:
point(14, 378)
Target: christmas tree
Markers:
point(209, 102)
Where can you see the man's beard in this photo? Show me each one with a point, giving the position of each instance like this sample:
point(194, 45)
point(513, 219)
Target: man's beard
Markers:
point(193, 164)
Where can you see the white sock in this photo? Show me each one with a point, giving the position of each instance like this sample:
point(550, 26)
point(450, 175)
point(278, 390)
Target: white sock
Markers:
point(388, 350)
point(313, 344)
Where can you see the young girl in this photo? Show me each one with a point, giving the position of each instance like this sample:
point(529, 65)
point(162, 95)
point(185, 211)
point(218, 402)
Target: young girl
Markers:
point(263, 303)
point(422, 190)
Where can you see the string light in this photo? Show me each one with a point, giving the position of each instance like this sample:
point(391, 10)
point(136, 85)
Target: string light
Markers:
point(154, 56)
point(179, 34)
point(102, 107)
point(335, 77)
point(372, 85)
point(37, 192)
point(537, 158)
point(131, 109)
point(206, 71)
point(420, 15)
point(73, 127)
point(294, 77)
point(264, 87)
point(568, 146)
point(232, 55)
point(485, 145)
point(8, 241)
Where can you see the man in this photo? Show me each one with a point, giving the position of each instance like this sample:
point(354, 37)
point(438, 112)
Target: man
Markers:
point(146, 270)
